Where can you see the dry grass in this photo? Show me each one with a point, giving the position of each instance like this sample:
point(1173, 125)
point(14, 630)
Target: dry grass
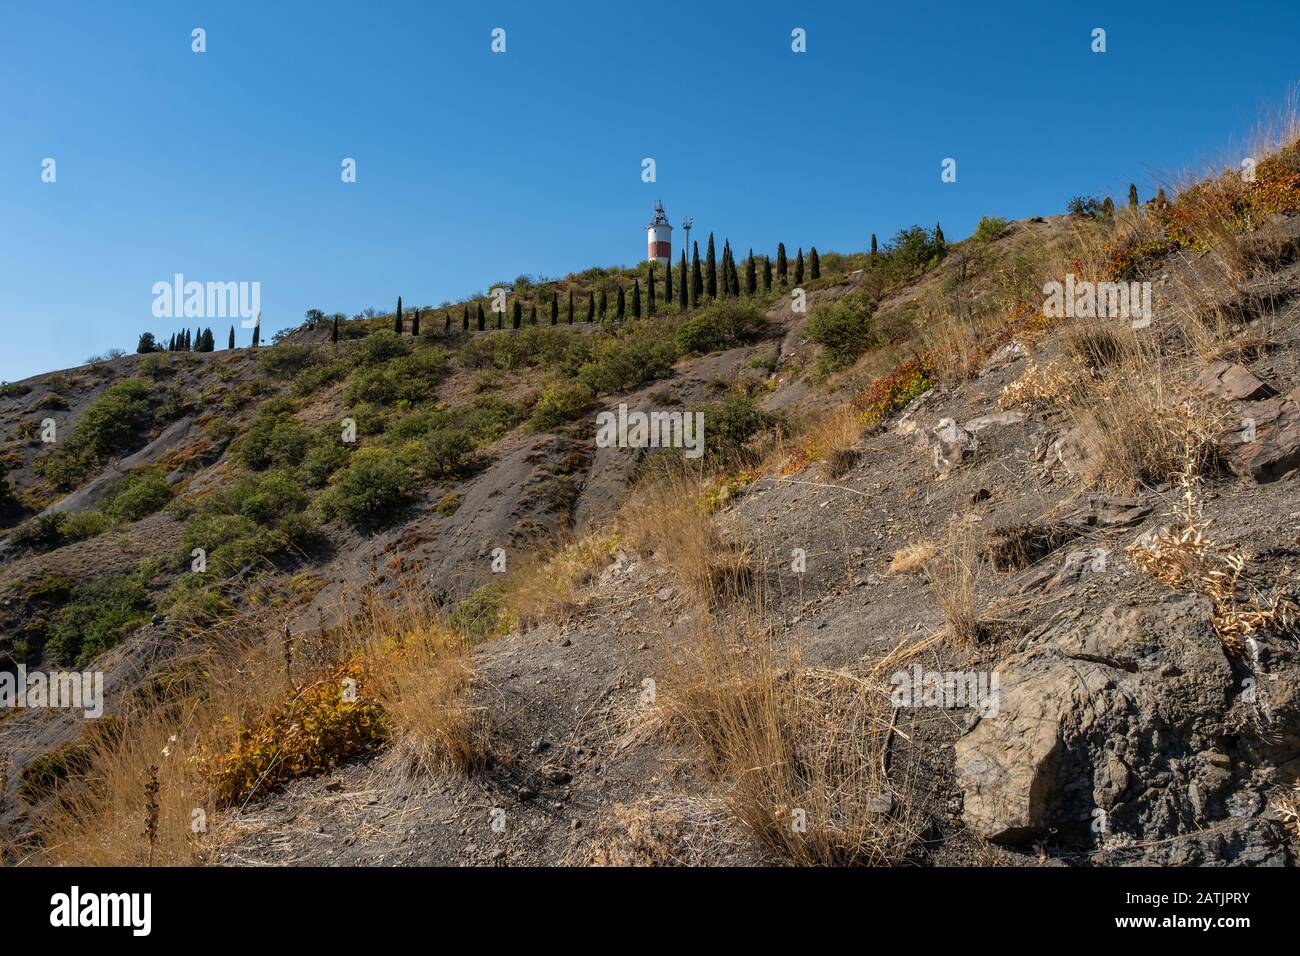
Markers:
point(912, 558)
point(417, 672)
point(550, 587)
point(1057, 384)
point(953, 572)
point(1184, 557)
point(801, 752)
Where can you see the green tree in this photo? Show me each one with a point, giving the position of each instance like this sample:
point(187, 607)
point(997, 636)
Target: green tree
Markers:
point(555, 307)
point(591, 306)
point(798, 267)
point(481, 320)
point(767, 274)
point(711, 271)
point(415, 323)
point(622, 305)
point(650, 290)
point(446, 323)
point(516, 314)
point(257, 332)
point(683, 286)
point(336, 333)
point(532, 313)
point(697, 278)
point(751, 274)
point(1132, 195)
point(570, 305)
point(636, 298)
point(814, 264)
point(938, 236)
point(397, 317)
point(781, 265)
point(873, 245)
point(146, 344)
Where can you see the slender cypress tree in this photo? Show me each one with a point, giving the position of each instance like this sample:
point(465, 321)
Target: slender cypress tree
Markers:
point(668, 285)
point(938, 236)
point(336, 333)
point(591, 306)
point(257, 332)
point(814, 264)
point(622, 305)
point(209, 342)
point(650, 290)
point(751, 275)
point(532, 313)
point(798, 267)
point(711, 271)
point(516, 314)
point(415, 323)
point(767, 274)
point(446, 323)
point(397, 317)
point(683, 285)
point(1132, 195)
point(636, 298)
point(873, 245)
point(555, 307)
point(570, 305)
point(171, 343)
point(697, 280)
point(781, 265)
point(481, 320)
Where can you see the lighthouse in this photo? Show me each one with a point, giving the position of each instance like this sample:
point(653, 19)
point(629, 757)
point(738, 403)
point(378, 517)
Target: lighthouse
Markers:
point(659, 238)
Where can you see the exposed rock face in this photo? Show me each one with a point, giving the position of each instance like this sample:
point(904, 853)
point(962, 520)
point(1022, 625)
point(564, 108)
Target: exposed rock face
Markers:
point(1231, 381)
point(1138, 720)
point(1268, 440)
point(952, 446)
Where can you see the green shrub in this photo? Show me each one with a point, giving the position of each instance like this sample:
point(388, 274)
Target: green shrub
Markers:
point(255, 519)
point(730, 423)
point(382, 347)
point(990, 228)
point(444, 453)
point(487, 419)
point(281, 361)
point(273, 439)
point(719, 325)
point(448, 504)
point(413, 378)
point(559, 404)
point(370, 492)
point(639, 352)
point(99, 616)
point(112, 424)
point(480, 615)
point(316, 376)
point(327, 455)
point(843, 329)
point(137, 496)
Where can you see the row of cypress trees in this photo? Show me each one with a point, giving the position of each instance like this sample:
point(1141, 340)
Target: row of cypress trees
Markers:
point(716, 278)
point(201, 340)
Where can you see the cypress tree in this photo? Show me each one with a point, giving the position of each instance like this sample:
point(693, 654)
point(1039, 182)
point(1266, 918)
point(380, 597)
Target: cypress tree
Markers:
point(1132, 195)
point(481, 320)
point(415, 323)
point(873, 245)
point(397, 317)
point(938, 236)
point(798, 267)
point(711, 271)
point(555, 307)
point(591, 306)
point(622, 305)
point(726, 275)
point(668, 285)
point(516, 314)
point(650, 290)
point(257, 332)
point(464, 317)
point(767, 274)
point(532, 313)
point(446, 322)
point(751, 275)
point(171, 342)
point(209, 342)
point(570, 305)
point(636, 298)
point(683, 286)
point(1108, 207)
point(781, 265)
point(697, 280)
point(336, 333)
point(814, 264)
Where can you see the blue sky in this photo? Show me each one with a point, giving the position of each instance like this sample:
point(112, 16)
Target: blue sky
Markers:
point(474, 167)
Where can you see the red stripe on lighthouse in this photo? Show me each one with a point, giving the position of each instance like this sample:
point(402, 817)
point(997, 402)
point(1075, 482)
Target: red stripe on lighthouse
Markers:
point(661, 250)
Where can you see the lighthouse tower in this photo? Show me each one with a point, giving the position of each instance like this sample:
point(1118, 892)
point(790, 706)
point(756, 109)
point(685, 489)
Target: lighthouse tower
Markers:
point(659, 238)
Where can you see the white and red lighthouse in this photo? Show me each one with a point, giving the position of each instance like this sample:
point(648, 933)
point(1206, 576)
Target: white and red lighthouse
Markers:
point(659, 238)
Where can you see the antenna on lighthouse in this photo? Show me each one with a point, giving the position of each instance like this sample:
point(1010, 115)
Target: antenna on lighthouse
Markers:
point(659, 238)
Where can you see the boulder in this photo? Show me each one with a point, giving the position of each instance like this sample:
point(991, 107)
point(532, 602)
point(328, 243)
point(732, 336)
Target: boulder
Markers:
point(1267, 444)
point(1231, 381)
point(952, 446)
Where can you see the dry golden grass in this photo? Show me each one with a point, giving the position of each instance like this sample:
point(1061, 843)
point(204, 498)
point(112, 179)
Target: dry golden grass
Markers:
point(912, 558)
point(953, 572)
point(1183, 556)
point(417, 670)
point(549, 587)
point(800, 752)
point(1057, 384)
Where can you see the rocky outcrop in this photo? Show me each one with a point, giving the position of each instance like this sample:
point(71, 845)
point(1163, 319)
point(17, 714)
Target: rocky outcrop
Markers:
point(1135, 726)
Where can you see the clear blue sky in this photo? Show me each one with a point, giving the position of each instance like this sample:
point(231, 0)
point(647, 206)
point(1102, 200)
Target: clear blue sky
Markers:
point(474, 167)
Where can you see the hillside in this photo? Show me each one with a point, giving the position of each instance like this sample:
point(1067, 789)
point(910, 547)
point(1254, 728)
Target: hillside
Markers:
point(570, 654)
